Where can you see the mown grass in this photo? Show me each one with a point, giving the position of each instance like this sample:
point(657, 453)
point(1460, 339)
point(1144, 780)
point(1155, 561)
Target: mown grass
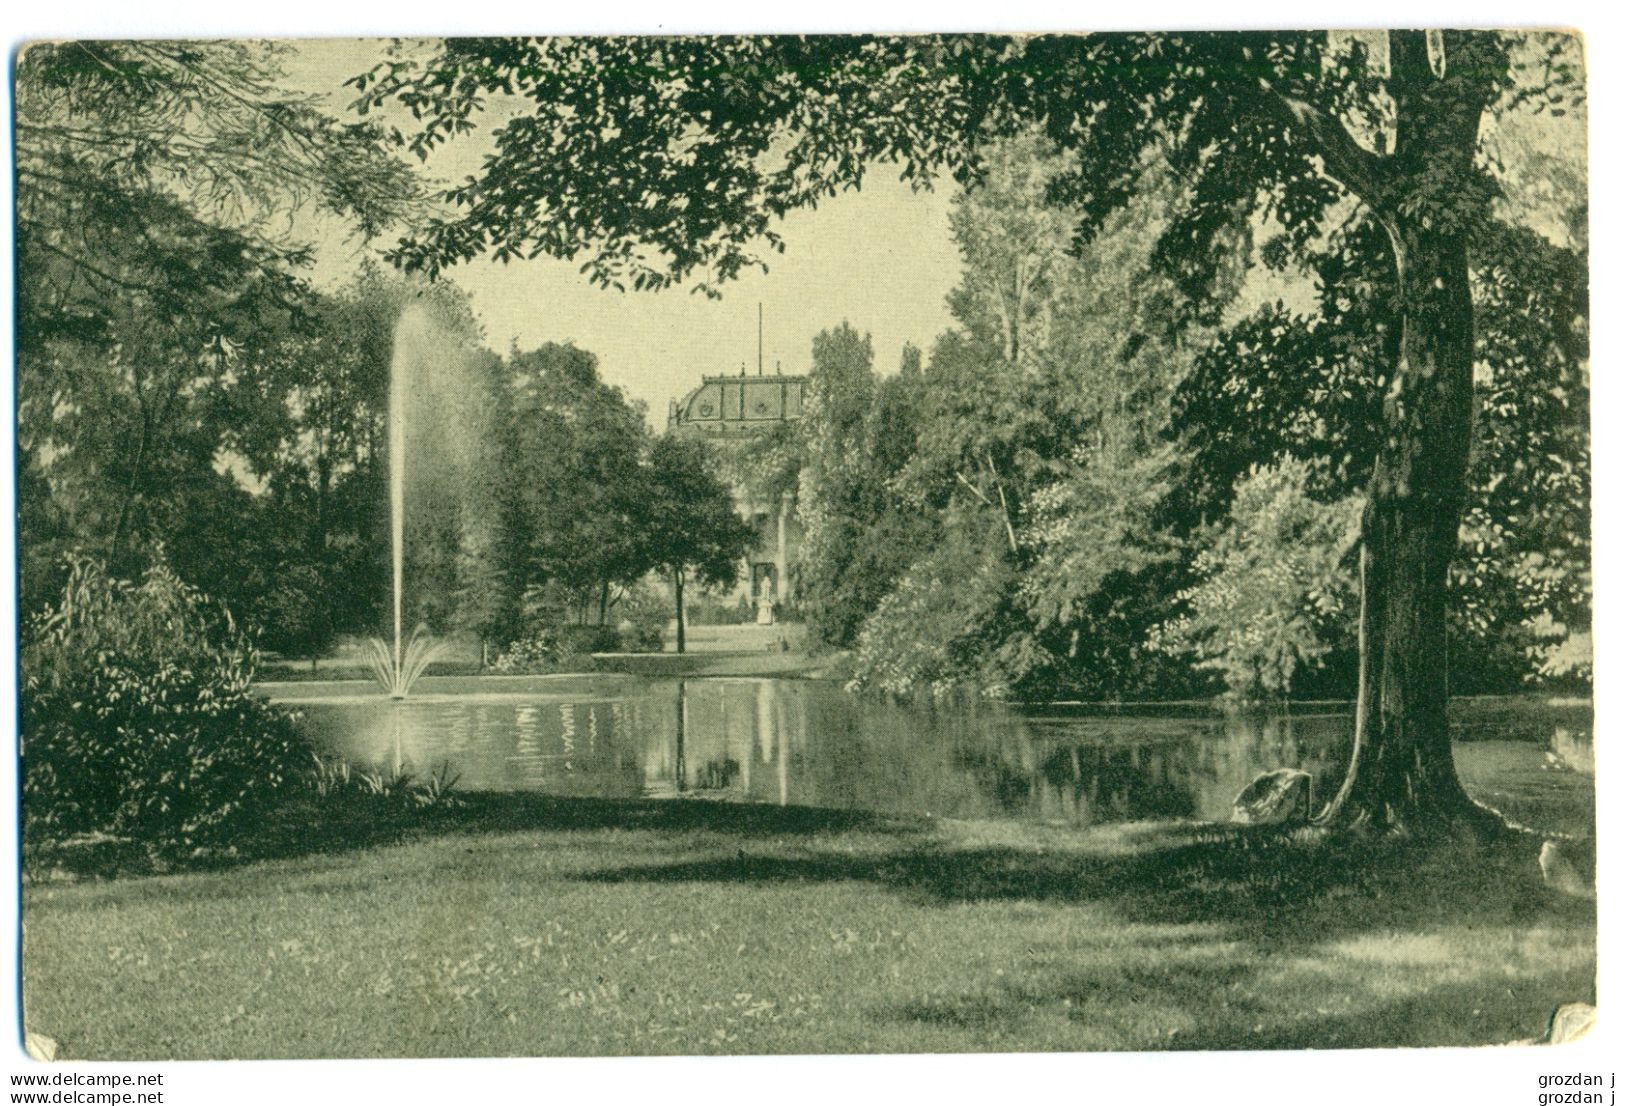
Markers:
point(519, 925)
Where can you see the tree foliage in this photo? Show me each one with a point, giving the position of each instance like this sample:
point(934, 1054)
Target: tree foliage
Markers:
point(1047, 438)
point(689, 524)
point(160, 318)
point(1276, 587)
point(855, 437)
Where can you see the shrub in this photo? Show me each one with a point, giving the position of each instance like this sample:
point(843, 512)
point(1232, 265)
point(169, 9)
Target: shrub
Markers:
point(644, 614)
point(537, 653)
point(546, 650)
point(295, 616)
point(137, 717)
point(946, 627)
point(577, 639)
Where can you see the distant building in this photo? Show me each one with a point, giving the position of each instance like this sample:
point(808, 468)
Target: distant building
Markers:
point(731, 410)
point(736, 406)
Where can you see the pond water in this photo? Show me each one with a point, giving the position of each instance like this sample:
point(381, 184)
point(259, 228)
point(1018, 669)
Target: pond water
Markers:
point(808, 743)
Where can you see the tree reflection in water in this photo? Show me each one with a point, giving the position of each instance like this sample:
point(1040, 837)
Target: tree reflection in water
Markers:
point(809, 743)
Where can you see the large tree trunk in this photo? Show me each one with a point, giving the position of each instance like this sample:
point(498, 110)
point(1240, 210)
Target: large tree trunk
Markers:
point(1402, 775)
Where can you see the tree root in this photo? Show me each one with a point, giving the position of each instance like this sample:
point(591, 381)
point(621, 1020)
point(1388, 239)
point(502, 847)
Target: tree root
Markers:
point(1466, 821)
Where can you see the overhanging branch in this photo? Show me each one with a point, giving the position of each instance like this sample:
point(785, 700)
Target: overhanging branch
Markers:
point(1358, 169)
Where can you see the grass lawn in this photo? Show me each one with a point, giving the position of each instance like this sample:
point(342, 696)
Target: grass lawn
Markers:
point(519, 925)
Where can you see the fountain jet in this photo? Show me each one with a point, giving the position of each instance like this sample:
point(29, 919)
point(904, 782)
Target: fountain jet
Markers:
point(399, 667)
point(396, 671)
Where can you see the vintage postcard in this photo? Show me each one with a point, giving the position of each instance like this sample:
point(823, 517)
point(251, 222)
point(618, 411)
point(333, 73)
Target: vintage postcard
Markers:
point(676, 545)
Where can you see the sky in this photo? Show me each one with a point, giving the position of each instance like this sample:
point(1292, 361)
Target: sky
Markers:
point(881, 259)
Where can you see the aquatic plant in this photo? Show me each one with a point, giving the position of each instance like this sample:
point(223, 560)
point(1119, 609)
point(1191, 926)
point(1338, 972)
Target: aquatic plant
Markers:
point(337, 778)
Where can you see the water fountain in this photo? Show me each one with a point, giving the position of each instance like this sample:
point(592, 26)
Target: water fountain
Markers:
point(398, 668)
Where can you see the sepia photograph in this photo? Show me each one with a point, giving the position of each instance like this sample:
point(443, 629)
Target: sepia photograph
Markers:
point(648, 545)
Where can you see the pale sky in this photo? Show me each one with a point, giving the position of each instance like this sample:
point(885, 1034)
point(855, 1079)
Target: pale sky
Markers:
point(881, 259)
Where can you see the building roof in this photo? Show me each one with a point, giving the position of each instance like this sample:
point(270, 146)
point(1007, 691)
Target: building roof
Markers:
point(734, 405)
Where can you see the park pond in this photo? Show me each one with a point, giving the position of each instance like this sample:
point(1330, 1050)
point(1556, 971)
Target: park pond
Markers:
point(809, 743)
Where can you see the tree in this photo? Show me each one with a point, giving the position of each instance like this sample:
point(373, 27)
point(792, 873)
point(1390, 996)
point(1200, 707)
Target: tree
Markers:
point(718, 137)
point(856, 436)
point(1040, 426)
point(1526, 538)
point(490, 584)
point(207, 123)
point(159, 314)
point(688, 524)
point(580, 445)
point(128, 388)
point(1302, 383)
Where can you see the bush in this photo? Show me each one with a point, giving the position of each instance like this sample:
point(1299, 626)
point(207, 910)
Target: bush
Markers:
point(577, 639)
point(137, 718)
point(947, 627)
point(644, 614)
point(294, 615)
point(535, 654)
point(547, 650)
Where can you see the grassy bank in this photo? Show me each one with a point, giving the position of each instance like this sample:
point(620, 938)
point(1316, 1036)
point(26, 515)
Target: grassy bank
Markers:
point(745, 650)
point(511, 925)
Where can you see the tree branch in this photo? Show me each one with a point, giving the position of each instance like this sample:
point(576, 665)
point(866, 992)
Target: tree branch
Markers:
point(81, 263)
point(1355, 167)
point(1004, 504)
point(201, 74)
point(974, 490)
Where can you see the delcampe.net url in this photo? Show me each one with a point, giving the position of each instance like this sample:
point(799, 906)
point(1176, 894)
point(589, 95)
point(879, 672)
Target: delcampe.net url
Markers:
point(79, 1089)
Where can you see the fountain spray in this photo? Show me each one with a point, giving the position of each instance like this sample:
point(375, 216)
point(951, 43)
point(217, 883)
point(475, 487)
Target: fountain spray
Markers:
point(398, 665)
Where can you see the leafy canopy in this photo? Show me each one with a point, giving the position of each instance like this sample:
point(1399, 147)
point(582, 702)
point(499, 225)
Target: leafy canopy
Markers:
point(717, 137)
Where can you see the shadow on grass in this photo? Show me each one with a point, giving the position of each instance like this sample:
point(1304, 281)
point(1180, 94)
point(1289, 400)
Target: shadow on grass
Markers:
point(1262, 877)
point(1266, 900)
point(1268, 882)
point(1281, 897)
point(307, 827)
point(1132, 986)
point(1447, 1016)
point(1276, 886)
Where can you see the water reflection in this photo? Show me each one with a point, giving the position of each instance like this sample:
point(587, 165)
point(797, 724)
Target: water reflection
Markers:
point(805, 742)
